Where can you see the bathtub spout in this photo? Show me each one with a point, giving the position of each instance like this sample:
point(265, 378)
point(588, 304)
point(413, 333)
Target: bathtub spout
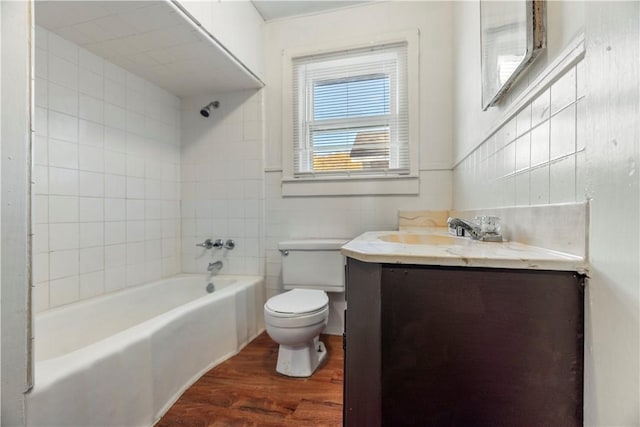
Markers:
point(214, 267)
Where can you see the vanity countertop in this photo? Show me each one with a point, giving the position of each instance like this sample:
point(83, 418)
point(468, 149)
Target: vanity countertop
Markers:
point(435, 246)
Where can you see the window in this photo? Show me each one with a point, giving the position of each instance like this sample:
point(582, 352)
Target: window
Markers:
point(350, 117)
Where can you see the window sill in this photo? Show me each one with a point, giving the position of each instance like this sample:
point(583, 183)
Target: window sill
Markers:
point(406, 185)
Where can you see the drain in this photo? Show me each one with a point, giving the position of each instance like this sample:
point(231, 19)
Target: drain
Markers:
point(210, 288)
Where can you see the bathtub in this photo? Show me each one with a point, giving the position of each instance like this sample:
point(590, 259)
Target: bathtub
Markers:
point(124, 358)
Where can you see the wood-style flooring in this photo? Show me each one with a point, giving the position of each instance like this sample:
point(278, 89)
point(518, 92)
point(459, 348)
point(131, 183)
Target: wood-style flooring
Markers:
point(247, 391)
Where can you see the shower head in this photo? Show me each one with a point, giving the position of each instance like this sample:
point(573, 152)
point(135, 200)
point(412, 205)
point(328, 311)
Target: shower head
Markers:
point(206, 110)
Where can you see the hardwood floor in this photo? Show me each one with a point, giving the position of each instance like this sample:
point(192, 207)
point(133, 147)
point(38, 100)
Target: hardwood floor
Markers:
point(246, 391)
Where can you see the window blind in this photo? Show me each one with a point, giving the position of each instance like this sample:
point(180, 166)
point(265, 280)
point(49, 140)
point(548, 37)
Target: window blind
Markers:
point(351, 112)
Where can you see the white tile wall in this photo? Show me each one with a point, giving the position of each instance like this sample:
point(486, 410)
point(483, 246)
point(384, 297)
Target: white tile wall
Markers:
point(222, 182)
point(106, 176)
point(543, 158)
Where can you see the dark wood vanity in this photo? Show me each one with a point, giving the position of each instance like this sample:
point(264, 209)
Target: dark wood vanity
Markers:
point(462, 346)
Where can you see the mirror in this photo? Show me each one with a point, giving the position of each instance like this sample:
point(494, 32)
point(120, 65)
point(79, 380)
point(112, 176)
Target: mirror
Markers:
point(512, 34)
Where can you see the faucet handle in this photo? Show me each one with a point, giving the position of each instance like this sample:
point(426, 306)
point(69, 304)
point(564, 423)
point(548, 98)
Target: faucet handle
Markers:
point(229, 244)
point(207, 244)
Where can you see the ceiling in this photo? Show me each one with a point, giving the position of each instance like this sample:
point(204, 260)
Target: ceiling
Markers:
point(274, 9)
point(154, 40)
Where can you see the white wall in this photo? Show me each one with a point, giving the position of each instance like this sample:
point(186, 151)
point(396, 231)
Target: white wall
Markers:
point(590, 153)
point(106, 176)
point(347, 217)
point(223, 182)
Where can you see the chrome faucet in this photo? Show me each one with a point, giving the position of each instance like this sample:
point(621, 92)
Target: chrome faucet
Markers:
point(214, 266)
point(209, 244)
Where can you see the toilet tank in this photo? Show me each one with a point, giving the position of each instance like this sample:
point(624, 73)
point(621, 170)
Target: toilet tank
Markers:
point(313, 264)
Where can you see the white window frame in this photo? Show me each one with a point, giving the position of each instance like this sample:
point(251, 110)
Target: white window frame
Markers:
point(367, 184)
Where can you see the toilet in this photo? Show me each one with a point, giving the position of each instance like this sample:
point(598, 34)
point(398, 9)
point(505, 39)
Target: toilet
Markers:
point(295, 319)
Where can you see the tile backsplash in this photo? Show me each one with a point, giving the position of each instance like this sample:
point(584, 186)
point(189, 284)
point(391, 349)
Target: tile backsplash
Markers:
point(537, 157)
point(106, 191)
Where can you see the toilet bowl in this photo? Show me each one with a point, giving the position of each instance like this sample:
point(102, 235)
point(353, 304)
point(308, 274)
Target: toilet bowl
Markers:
point(295, 319)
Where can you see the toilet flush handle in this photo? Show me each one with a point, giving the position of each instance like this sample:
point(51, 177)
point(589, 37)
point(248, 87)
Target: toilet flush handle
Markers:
point(284, 252)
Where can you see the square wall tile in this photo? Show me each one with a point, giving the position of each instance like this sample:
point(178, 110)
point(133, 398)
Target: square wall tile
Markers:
point(115, 186)
point(563, 133)
point(581, 125)
point(40, 209)
point(91, 133)
point(581, 87)
point(63, 154)
point(523, 152)
point(91, 184)
point(40, 150)
point(63, 236)
point(540, 144)
point(114, 93)
point(581, 177)
point(91, 158)
point(63, 126)
point(91, 209)
point(63, 264)
point(562, 180)
point(523, 189)
point(115, 209)
point(61, 99)
point(92, 234)
point(91, 108)
point(541, 108)
point(41, 63)
point(563, 91)
point(115, 232)
point(62, 72)
point(91, 83)
point(64, 291)
point(63, 209)
point(91, 259)
point(41, 92)
point(539, 179)
point(523, 121)
point(91, 284)
point(509, 158)
point(40, 180)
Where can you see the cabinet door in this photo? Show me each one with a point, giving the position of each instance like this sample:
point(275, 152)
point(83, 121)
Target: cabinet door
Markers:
point(362, 345)
point(481, 347)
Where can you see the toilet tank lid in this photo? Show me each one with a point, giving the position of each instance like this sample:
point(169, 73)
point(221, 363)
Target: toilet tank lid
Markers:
point(312, 244)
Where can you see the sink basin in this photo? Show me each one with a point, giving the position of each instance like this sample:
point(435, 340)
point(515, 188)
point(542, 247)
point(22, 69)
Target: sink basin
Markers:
point(421, 239)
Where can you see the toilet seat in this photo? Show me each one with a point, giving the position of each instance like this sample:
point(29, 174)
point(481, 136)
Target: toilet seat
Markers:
point(297, 302)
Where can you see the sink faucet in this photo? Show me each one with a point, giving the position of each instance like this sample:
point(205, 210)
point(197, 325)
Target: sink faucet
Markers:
point(214, 266)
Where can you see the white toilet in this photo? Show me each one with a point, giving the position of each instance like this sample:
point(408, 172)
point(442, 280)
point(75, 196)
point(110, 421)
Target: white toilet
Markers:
point(295, 319)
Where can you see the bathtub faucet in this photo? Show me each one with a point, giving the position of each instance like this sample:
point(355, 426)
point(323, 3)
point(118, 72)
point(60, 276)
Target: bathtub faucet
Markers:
point(214, 266)
point(208, 244)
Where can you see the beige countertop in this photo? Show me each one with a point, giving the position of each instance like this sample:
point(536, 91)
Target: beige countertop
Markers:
point(435, 246)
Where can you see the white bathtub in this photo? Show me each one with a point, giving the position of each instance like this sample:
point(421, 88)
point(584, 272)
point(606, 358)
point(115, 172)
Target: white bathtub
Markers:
point(123, 359)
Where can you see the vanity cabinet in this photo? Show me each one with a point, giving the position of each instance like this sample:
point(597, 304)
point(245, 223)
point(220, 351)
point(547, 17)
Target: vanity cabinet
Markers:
point(462, 346)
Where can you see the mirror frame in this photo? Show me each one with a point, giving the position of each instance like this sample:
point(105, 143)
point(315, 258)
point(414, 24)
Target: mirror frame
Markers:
point(535, 42)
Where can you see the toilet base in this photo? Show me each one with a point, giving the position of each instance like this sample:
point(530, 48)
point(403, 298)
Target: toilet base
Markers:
point(301, 360)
